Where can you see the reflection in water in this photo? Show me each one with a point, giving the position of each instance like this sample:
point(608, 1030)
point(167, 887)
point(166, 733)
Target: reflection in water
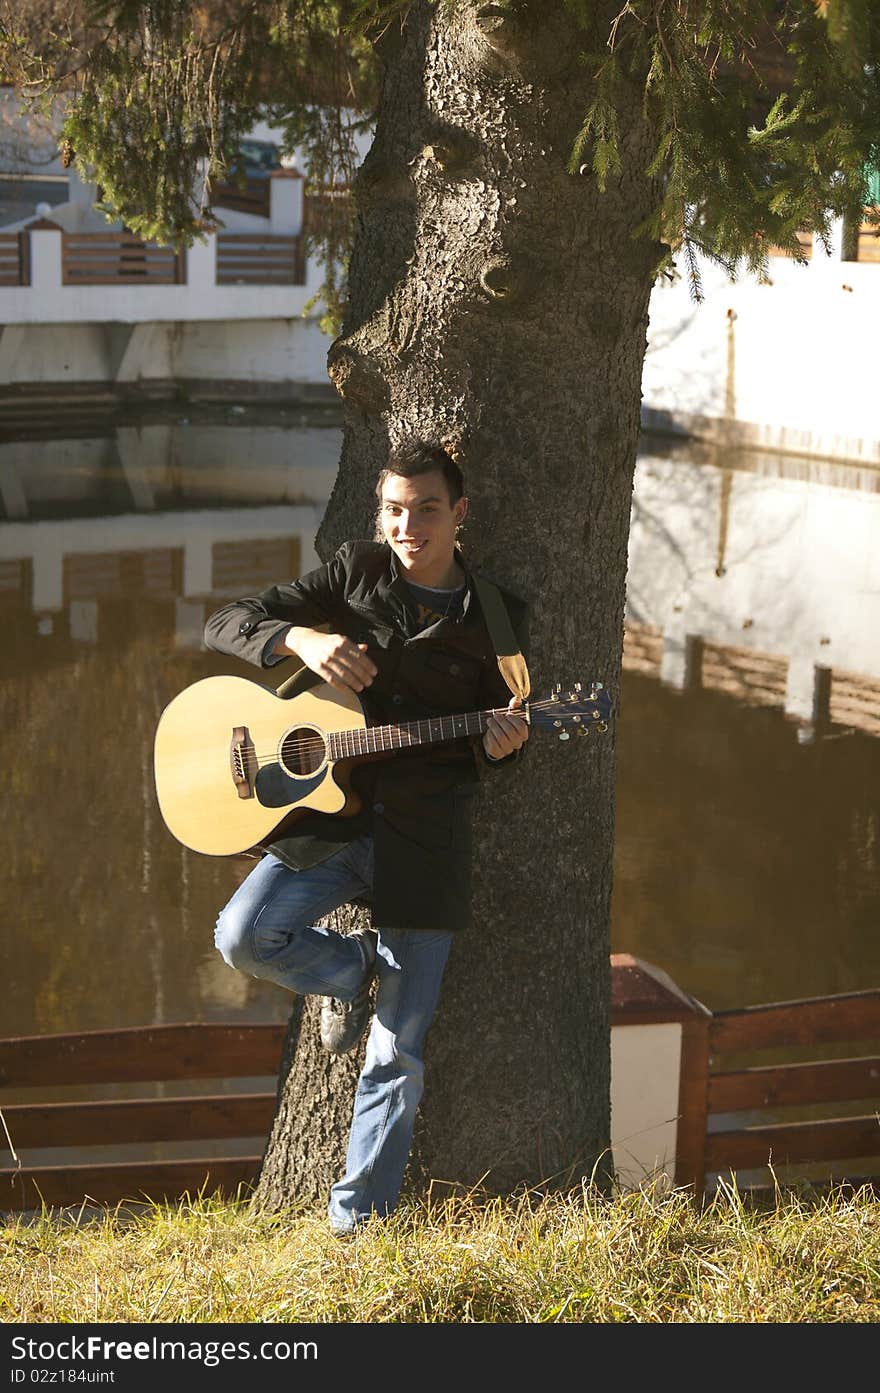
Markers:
point(749, 796)
point(747, 865)
point(748, 763)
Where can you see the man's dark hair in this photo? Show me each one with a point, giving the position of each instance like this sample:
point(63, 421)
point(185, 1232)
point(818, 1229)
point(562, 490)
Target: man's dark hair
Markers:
point(416, 457)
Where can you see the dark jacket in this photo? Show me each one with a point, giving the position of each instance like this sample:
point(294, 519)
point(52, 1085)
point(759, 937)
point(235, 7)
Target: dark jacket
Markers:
point(416, 804)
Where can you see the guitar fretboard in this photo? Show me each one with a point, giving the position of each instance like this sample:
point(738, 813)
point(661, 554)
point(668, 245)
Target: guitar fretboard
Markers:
point(345, 744)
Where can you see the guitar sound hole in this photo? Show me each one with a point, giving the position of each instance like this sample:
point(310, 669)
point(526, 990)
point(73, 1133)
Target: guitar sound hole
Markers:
point(302, 751)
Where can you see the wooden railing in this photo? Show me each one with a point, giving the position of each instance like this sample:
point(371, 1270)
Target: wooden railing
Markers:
point(864, 245)
point(805, 242)
point(154, 1055)
point(256, 258)
point(322, 210)
point(845, 699)
point(118, 258)
point(251, 196)
point(15, 258)
point(868, 247)
point(813, 1108)
point(811, 1113)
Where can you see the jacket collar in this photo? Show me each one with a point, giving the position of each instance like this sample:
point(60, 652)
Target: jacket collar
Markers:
point(400, 595)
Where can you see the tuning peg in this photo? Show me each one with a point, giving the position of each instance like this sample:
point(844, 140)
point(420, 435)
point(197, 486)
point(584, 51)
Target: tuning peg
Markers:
point(602, 727)
point(584, 730)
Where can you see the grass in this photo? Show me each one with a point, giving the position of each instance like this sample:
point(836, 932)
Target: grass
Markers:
point(644, 1256)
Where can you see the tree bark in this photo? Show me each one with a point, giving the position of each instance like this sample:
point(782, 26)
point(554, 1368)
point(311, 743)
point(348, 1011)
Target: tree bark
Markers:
point(500, 303)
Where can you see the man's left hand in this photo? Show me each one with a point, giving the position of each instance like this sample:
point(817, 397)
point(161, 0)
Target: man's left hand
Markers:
point(507, 733)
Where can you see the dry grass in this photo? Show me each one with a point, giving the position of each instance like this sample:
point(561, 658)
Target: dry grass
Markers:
point(638, 1257)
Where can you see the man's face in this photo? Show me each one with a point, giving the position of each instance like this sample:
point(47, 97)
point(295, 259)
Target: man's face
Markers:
point(419, 522)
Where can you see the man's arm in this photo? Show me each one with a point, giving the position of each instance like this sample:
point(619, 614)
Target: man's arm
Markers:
point(255, 627)
point(506, 735)
point(337, 659)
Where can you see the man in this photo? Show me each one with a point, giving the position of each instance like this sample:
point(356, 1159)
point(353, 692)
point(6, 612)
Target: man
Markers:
point(398, 622)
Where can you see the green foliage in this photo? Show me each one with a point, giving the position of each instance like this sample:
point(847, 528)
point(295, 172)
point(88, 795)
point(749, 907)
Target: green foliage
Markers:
point(764, 114)
point(158, 94)
point(372, 17)
point(766, 117)
point(327, 131)
point(149, 146)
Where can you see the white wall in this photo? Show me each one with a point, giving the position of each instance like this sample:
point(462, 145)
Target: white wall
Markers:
point(774, 536)
point(789, 365)
point(645, 1071)
point(289, 350)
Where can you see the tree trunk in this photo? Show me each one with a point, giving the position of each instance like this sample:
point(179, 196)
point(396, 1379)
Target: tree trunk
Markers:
point(500, 303)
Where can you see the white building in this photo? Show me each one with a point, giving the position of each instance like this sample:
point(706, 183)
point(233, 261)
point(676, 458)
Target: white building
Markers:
point(791, 364)
point(788, 365)
point(84, 304)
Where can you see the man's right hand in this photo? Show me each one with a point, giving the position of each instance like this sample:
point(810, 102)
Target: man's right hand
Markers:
point(337, 659)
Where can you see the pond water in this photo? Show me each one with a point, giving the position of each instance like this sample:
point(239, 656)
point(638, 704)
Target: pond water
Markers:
point(748, 785)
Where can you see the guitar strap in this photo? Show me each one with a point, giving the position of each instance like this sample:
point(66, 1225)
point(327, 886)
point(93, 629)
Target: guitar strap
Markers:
point(511, 663)
point(297, 682)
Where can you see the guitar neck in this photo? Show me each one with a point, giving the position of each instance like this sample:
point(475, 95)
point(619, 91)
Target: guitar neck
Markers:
point(347, 744)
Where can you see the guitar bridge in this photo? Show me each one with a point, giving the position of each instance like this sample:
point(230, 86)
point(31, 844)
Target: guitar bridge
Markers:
point(243, 761)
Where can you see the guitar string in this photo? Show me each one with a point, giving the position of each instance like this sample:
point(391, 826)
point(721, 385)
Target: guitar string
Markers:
point(538, 706)
point(252, 762)
point(315, 741)
point(308, 745)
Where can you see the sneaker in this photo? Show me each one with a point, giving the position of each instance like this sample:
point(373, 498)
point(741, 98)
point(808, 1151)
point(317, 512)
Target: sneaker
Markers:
point(344, 1022)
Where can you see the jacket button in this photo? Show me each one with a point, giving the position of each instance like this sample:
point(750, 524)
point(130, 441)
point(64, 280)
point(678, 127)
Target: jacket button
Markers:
point(397, 698)
point(378, 807)
point(454, 669)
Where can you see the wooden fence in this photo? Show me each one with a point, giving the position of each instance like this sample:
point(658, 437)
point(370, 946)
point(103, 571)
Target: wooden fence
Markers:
point(118, 258)
point(865, 245)
point(805, 242)
point(248, 196)
point(868, 246)
point(812, 1109)
point(15, 258)
point(245, 258)
point(740, 1110)
point(152, 1055)
point(326, 211)
point(843, 699)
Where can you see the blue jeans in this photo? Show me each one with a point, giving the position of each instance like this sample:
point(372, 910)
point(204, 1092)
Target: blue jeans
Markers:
point(267, 930)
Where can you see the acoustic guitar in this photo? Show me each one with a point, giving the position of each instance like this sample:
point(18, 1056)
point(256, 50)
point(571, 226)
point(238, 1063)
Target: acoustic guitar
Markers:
point(232, 760)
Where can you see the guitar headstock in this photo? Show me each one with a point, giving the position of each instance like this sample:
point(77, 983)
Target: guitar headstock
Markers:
point(572, 711)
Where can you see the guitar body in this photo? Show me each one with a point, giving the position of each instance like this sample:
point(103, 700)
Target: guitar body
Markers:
point(232, 760)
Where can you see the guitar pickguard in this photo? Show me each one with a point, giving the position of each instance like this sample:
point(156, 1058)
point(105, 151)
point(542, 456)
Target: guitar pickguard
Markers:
point(275, 788)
